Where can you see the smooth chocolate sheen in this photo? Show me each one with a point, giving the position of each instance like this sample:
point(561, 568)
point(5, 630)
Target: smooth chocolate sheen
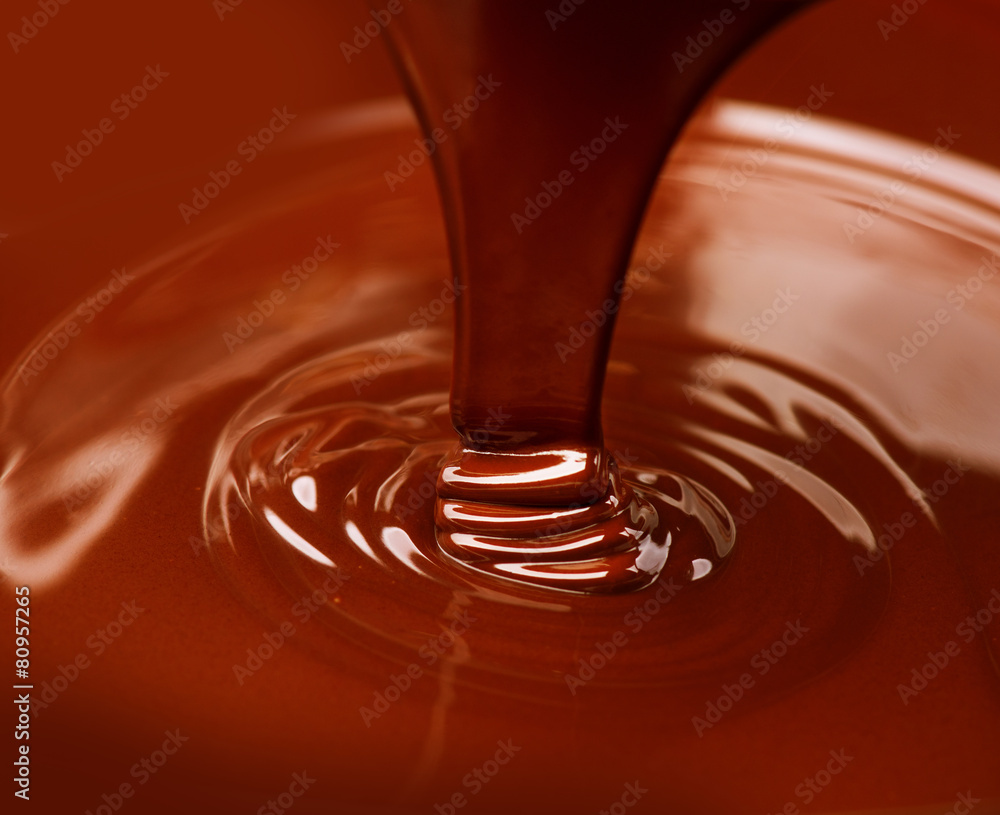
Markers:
point(348, 499)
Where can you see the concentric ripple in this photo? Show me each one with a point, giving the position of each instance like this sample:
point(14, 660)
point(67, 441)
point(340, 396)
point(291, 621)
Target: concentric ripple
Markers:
point(747, 390)
point(310, 482)
point(621, 542)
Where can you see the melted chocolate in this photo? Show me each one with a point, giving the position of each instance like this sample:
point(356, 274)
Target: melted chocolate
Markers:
point(544, 188)
point(235, 546)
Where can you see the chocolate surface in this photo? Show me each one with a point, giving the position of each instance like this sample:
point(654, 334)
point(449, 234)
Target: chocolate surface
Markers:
point(222, 489)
